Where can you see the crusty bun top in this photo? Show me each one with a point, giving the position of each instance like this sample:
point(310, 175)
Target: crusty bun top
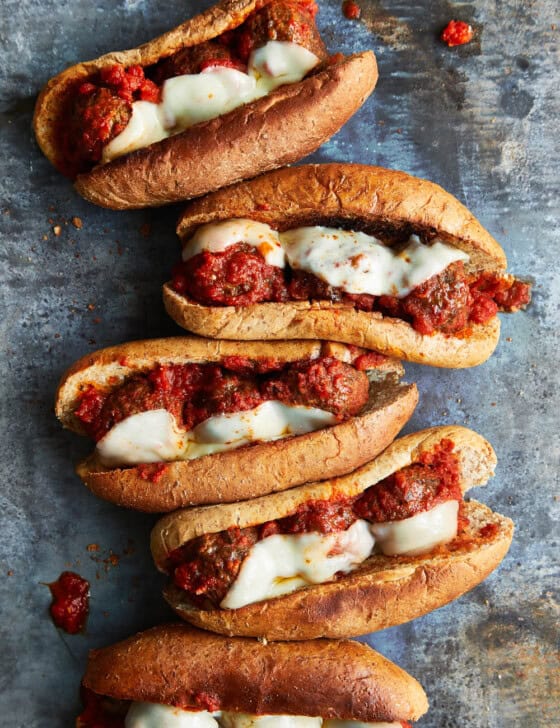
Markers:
point(225, 15)
point(379, 201)
point(107, 368)
point(476, 464)
point(176, 664)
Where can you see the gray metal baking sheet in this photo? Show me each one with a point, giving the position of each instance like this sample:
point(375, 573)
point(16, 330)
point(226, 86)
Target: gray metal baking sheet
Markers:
point(482, 121)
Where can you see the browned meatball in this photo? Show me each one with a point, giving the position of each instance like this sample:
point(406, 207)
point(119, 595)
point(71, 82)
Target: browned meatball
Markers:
point(98, 115)
point(195, 59)
point(327, 383)
point(285, 21)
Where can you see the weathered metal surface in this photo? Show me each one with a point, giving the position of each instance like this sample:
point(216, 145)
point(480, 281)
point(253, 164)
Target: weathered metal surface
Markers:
point(480, 120)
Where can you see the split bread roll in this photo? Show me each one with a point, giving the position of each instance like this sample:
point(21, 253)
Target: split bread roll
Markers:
point(381, 591)
point(176, 665)
point(254, 469)
point(273, 130)
point(389, 205)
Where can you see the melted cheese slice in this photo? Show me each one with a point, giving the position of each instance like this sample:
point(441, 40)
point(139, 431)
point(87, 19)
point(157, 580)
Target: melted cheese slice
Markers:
point(152, 715)
point(360, 263)
point(244, 720)
point(280, 564)
point(353, 261)
point(192, 98)
point(418, 534)
point(217, 237)
point(153, 436)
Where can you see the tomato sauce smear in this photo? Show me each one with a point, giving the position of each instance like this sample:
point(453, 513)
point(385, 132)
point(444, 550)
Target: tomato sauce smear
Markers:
point(70, 602)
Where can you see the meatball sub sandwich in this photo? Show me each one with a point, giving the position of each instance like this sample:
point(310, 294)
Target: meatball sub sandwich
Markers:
point(185, 421)
point(242, 88)
point(387, 543)
point(174, 676)
point(357, 254)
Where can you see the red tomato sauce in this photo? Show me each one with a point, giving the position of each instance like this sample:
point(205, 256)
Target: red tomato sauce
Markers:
point(99, 107)
point(456, 33)
point(351, 10)
point(100, 712)
point(70, 602)
point(207, 566)
point(194, 392)
point(448, 302)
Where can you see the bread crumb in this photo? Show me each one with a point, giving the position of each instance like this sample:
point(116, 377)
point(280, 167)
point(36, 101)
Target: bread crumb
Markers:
point(91, 306)
point(57, 230)
point(77, 222)
point(10, 572)
point(92, 547)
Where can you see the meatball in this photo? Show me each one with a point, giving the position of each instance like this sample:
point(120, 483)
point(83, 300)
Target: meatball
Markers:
point(98, 115)
point(195, 59)
point(284, 21)
point(326, 383)
point(239, 276)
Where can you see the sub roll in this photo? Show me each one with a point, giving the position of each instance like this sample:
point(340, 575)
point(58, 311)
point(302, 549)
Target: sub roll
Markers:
point(185, 421)
point(242, 88)
point(375, 548)
point(361, 255)
point(174, 676)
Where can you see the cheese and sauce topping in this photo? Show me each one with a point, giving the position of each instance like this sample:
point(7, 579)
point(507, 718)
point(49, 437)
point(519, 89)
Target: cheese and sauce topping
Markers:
point(154, 436)
point(192, 98)
point(280, 564)
point(152, 715)
point(353, 261)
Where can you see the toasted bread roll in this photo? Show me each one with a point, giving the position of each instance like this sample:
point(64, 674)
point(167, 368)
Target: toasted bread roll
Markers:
point(384, 203)
point(245, 472)
point(177, 665)
point(279, 128)
point(383, 590)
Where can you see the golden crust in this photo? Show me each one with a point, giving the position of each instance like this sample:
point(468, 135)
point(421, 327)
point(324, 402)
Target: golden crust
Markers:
point(371, 198)
point(383, 592)
point(339, 322)
point(278, 129)
point(250, 471)
point(175, 664)
point(476, 461)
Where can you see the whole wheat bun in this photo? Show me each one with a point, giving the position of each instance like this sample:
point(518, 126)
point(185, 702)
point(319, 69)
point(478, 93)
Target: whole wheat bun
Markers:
point(383, 591)
point(376, 200)
point(248, 471)
point(176, 664)
point(278, 129)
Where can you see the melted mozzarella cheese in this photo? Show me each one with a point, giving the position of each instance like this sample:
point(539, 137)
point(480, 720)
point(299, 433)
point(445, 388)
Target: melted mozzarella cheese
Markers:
point(144, 128)
point(279, 564)
point(152, 715)
point(148, 437)
point(419, 533)
point(153, 436)
point(353, 261)
point(217, 237)
point(192, 98)
point(244, 720)
point(280, 62)
point(360, 263)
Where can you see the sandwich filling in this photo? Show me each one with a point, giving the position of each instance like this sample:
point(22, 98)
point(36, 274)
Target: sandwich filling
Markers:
point(412, 511)
point(102, 712)
point(184, 411)
point(119, 110)
point(241, 262)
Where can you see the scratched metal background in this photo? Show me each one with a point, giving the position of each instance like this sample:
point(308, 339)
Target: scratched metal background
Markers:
point(483, 122)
